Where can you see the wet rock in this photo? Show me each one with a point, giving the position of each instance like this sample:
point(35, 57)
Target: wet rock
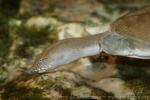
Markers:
point(41, 23)
point(98, 29)
point(70, 30)
point(81, 92)
point(116, 87)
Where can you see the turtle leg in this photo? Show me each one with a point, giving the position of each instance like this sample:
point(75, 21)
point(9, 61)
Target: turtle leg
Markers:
point(123, 46)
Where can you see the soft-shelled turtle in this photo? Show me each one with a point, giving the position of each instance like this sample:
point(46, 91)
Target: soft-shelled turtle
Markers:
point(128, 36)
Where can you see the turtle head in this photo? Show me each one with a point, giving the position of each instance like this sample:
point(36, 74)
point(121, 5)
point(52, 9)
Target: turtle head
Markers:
point(56, 55)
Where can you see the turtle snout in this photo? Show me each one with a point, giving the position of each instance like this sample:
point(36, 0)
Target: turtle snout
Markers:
point(37, 69)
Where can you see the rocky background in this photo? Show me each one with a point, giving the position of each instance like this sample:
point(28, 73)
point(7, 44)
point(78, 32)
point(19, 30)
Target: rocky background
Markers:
point(29, 26)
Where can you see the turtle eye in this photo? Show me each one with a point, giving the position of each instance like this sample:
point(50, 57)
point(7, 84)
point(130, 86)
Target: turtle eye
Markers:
point(41, 60)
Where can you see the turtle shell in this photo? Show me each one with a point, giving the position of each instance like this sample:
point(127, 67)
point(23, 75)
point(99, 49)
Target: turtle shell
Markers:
point(134, 25)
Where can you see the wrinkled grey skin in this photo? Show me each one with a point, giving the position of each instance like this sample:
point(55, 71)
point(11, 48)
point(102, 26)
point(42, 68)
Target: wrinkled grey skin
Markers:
point(69, 50)
point(120, 45)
